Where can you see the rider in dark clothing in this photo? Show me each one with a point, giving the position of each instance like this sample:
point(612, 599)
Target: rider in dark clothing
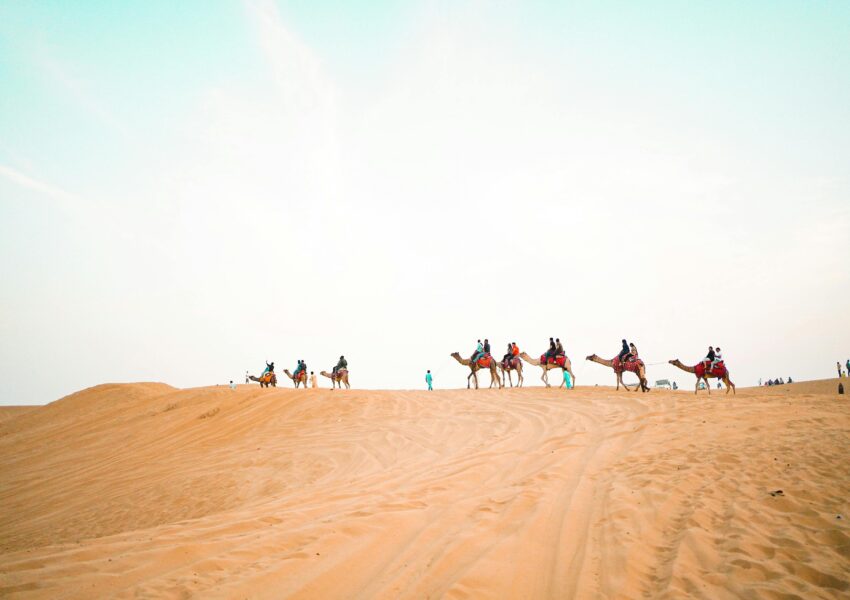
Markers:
point(486, 346)
point(559, 348)
point(509, 355)
point(709, 358)
point(269, 367)
point(624, 352)
point(552, 349)
point(341, 364)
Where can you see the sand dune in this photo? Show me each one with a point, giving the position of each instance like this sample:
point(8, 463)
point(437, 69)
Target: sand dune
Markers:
point(147, 491)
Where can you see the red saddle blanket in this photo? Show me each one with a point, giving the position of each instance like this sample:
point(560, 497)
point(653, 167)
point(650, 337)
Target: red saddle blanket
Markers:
point(510, 363)
point(559, 360)
point(719, 370)
point(630, 365)
point(484, 361)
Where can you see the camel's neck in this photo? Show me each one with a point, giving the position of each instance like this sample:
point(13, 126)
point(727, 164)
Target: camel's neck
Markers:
point(529, 360)
point(678, 363)
point(602, 361)
point(463, 361)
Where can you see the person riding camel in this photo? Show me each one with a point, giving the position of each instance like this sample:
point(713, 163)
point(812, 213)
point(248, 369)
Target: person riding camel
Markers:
point(559, 348)
point(514, 350)
point(509, 355)
point(633, 353)
point(479, 350)
point(550, 353)
point(269, 367)
point(624, 352)
point(718, 358)
point(709, 358)
point(341, 364)
point(302, 366)
point(486, 347)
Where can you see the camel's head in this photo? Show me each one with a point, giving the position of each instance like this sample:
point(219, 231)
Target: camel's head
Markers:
point(455, 355)
point(591, 357)
point(674, 361)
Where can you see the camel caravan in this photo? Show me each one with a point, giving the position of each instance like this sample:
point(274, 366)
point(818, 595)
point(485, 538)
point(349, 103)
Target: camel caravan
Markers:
point(338, 375)
point(712, 366)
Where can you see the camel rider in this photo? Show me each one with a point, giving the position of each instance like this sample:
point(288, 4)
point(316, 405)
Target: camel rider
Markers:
point(341, 364)
point(514, 350)
point(550, 353)
point(718, 358)
point(624, 352)
point(509, 355)
point(559, 348)
point(301, 366)
point(709, 358)
point(269, 367)
point(633, 353)
point(479, 350)
point(486, 346)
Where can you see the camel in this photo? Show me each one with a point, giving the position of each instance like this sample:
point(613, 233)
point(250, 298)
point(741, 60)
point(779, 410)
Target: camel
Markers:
point(338, 379)
point(507, 372)
point(265, 380)
point(548, 366)
point(474, 367)
point(641, 372)
point(302, 378)
point(705, 375)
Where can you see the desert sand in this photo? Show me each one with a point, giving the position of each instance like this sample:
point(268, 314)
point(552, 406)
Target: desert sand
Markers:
point(143, 490)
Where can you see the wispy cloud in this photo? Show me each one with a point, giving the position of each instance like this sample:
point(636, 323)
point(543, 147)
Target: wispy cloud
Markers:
point(30, 183)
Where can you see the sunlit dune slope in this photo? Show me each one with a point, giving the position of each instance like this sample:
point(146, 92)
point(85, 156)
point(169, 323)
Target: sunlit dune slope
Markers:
point(146, 490)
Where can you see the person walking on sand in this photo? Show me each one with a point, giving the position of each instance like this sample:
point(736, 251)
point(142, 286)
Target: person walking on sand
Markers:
point(838, 366)
point(567, 382)
point(313, 382)
point(232, 385)
point(848, 366)
point(429, 380)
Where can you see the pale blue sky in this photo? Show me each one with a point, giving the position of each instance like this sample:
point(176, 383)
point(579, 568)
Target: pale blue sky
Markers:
point(188, 189)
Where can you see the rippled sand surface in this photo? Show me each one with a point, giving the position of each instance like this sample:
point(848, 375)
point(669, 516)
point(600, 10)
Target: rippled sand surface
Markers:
point(144, 490)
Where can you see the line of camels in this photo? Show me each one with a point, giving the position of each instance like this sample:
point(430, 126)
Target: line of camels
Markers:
point(269, 379)
point(637, 367)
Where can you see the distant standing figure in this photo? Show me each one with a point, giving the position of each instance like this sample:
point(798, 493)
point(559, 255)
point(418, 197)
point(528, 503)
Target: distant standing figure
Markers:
point(232, 385)
point(848, 366)
point(429, 380)
point(675, 387)
point(838, 366)
point(789, 380)
point(759, 381)
point(246, 377)
point(313, 381)
point(567, 382)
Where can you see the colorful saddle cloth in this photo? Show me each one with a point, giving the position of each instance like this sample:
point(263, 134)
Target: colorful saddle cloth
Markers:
point(559, 360)
point(630, 365)
point(719, 370)
point(484, 361)
point(510, 363)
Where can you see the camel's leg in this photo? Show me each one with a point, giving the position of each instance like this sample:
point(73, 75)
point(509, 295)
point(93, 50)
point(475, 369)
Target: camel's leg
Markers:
point(707, 385)
point(510, 379)
point(544, 378)
point(696, 389)
point(519, 377)
point(468, 377)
